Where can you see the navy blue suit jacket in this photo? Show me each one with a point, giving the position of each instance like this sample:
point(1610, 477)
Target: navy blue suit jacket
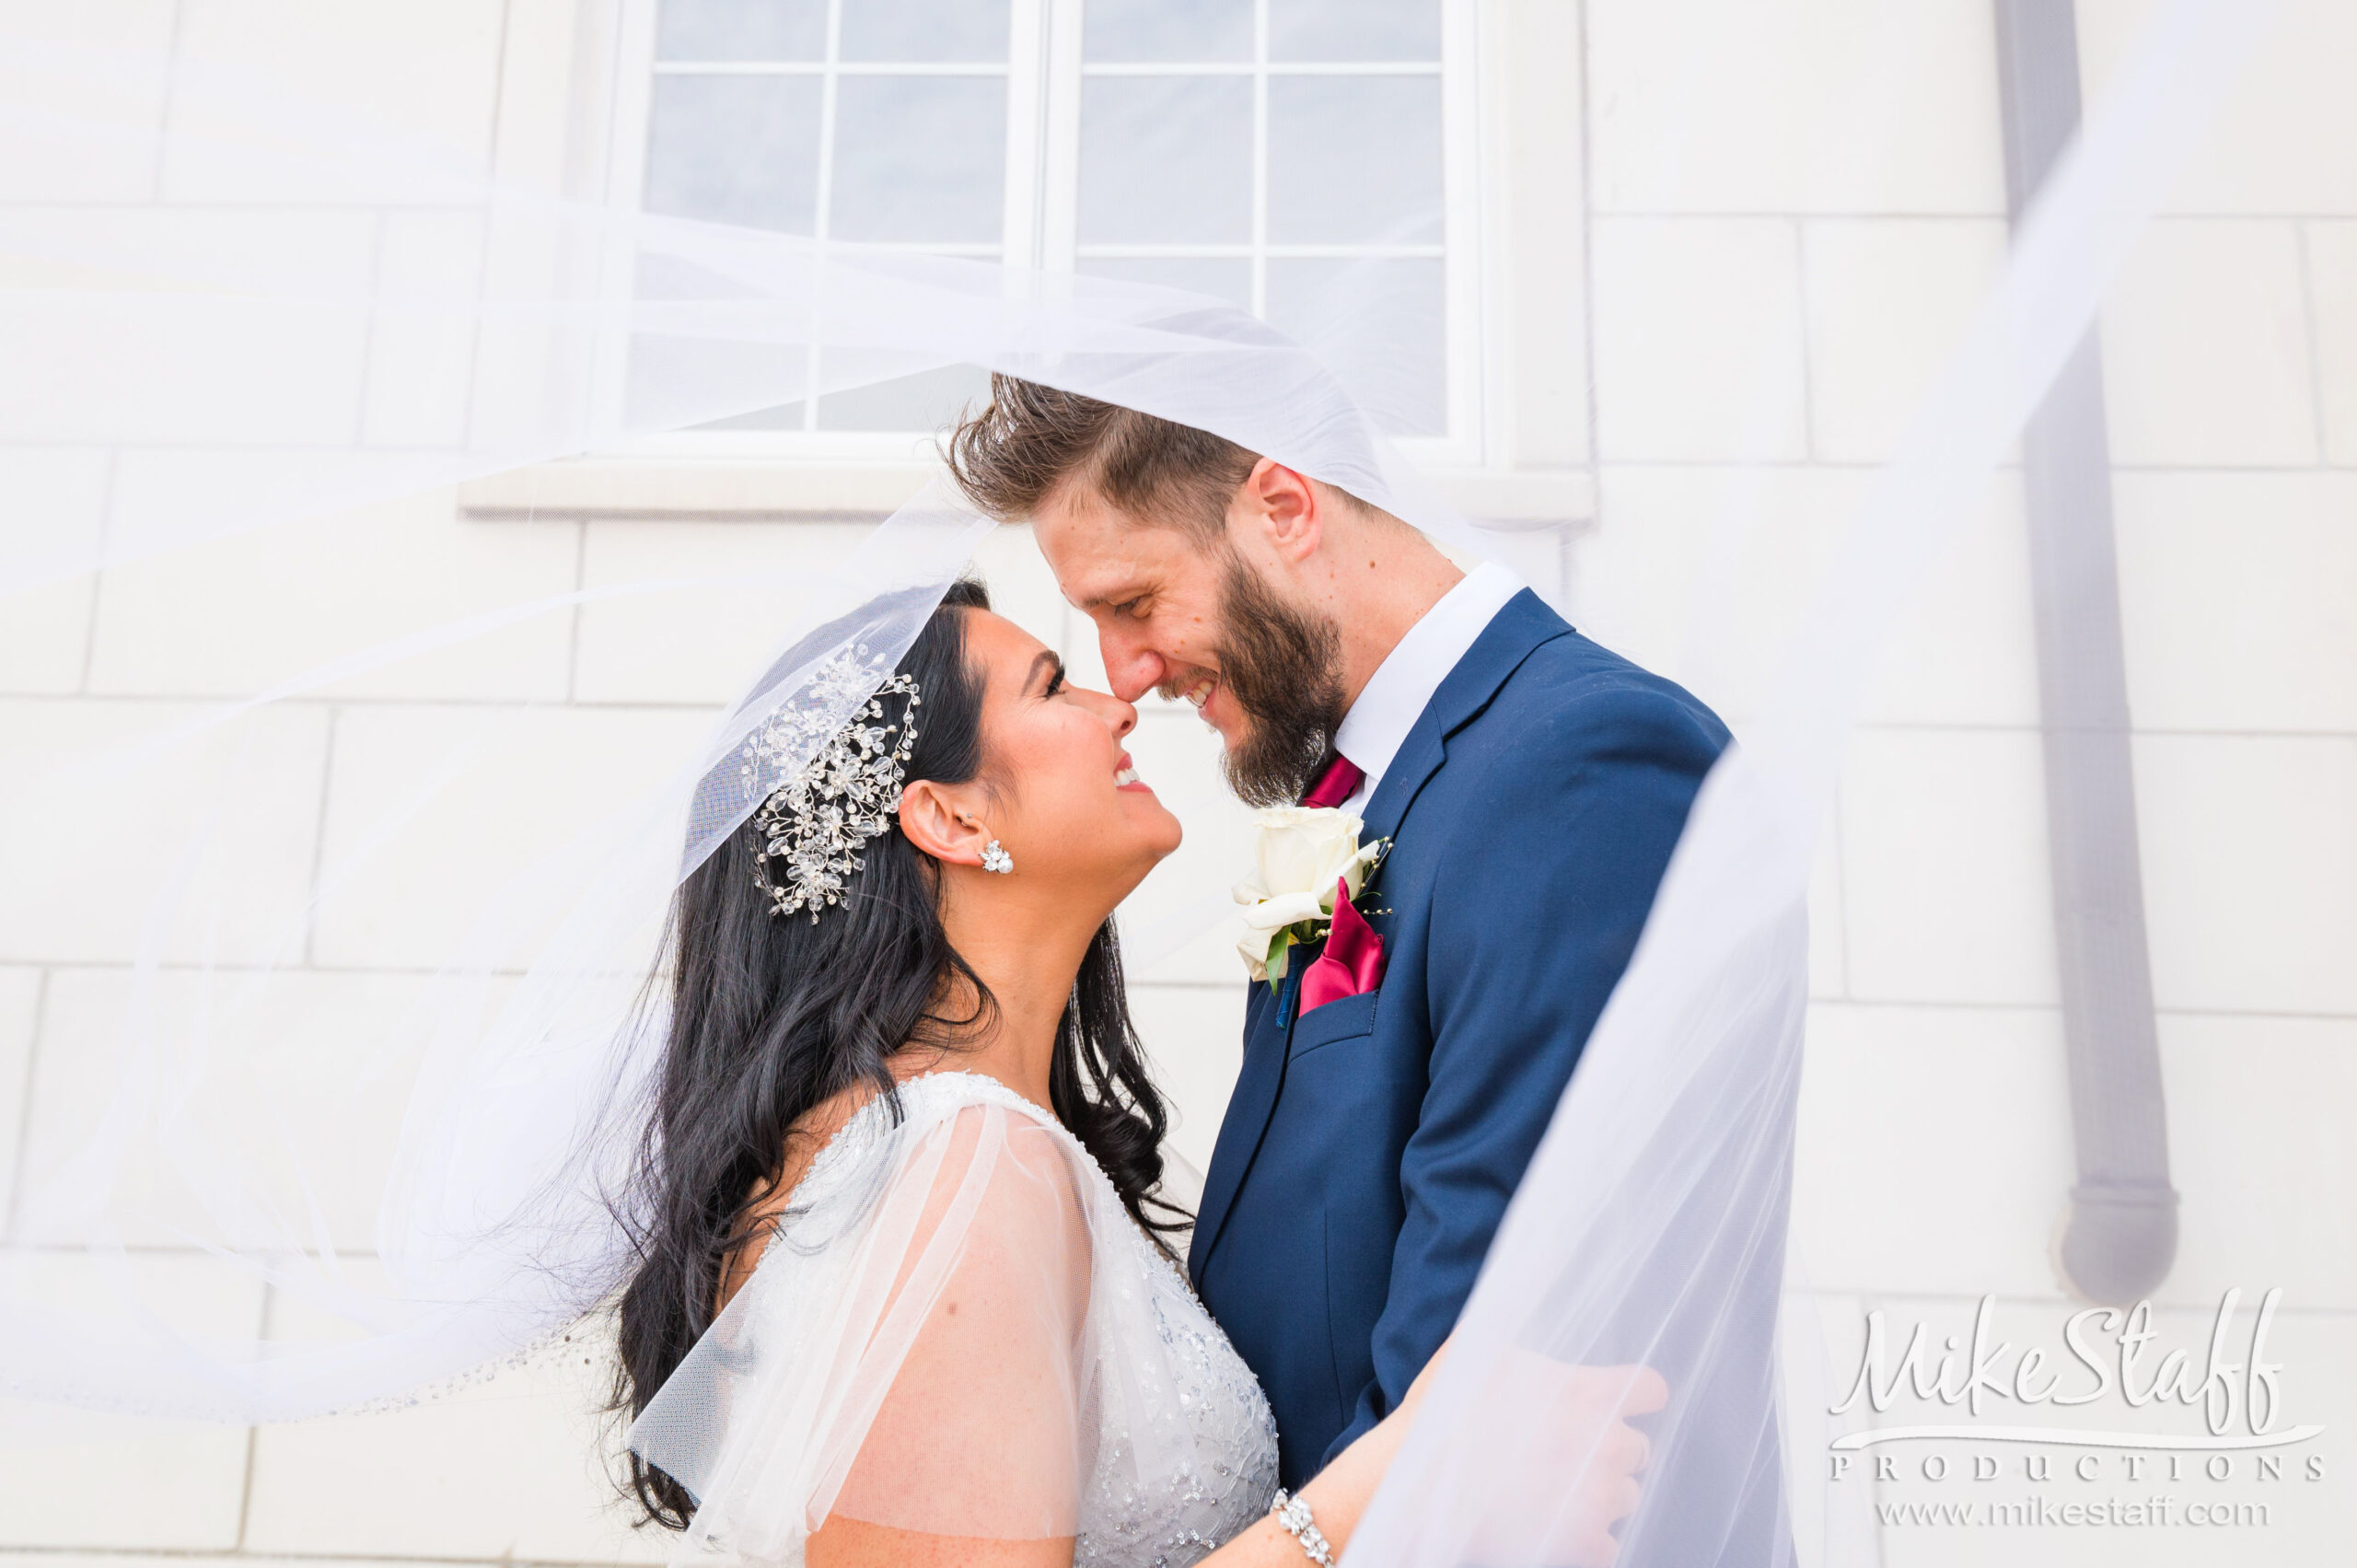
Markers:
point(1372, 1143)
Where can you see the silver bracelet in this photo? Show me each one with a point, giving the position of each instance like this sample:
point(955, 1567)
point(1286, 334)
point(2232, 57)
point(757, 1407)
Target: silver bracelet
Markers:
point(1293, 1514)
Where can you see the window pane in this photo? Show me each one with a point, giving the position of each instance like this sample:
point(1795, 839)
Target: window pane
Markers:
point(920, 159)
point(895, 31)
point(741, 29)
point(1354, 159)
point(1355, 29)
point(1194, 30)
point(1165, 161)
point(1377, 323)
point(736, 149)
point(927, 402)
point(1222, 277)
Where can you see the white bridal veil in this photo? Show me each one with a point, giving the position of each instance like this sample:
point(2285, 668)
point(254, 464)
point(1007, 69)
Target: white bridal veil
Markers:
point(249, 319)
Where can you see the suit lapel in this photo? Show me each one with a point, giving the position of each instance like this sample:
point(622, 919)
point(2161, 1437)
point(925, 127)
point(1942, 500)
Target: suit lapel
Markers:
point(1512, 632)
point(1267, 1028)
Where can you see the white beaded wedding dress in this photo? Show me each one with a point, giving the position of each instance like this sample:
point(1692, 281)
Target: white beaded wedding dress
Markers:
point(959, 1329)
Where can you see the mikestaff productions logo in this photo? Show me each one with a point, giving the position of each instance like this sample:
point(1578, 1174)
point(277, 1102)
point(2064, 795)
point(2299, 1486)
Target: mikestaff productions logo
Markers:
point(2205, 1447)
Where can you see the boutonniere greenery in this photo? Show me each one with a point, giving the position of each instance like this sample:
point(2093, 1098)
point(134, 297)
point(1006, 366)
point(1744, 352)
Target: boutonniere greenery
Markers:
point(1308, 857)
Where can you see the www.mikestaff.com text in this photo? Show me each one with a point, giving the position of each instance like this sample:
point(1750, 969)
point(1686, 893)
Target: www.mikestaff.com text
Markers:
point(2163, 1511)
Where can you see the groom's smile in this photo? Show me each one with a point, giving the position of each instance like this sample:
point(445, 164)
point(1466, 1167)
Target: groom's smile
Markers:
point(1195, 691)
point(1185, 613)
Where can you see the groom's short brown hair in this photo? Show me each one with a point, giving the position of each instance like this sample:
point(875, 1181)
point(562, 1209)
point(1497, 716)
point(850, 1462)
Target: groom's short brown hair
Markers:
point(1017, 450)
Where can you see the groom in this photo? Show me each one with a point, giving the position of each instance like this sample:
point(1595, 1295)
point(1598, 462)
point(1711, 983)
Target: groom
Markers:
point(1533, 785)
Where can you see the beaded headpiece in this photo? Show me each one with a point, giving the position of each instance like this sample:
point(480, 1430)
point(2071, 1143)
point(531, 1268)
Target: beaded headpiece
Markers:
point(818, 820)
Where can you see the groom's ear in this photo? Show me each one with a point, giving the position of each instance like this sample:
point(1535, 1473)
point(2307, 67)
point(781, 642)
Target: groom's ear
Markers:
point(1285, 507)
point(941, 824)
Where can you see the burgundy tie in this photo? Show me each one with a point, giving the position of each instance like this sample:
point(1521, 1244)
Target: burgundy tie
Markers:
point(1334, 786)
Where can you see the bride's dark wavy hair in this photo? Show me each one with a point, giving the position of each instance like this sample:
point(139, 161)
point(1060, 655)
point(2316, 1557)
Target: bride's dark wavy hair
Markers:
point(771, 1015)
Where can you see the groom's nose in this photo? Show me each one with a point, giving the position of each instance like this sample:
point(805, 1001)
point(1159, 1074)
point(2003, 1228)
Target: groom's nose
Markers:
point(1132, 668)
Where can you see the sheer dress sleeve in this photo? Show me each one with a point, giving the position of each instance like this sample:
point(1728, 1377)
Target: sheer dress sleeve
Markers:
point(979, 1431)
point(911, 1352)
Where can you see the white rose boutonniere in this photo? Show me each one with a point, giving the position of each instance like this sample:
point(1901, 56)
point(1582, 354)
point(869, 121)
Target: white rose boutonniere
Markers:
point(1306, 852)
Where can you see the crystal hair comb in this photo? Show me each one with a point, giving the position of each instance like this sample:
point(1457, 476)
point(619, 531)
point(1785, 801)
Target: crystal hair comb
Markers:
point(818, 820)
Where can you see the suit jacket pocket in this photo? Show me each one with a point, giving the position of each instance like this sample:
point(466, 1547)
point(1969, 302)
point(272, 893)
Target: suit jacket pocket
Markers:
point(1345, 1017)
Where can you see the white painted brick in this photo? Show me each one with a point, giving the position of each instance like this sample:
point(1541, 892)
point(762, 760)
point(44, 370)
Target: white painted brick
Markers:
point(244, 414)
point(423, 352)
point(20, 991)
point(2332, 282)
point(236, 615)
point(1640, 584)
point(304, 1081)
point(1544, 266)
point(2205, 343)
point(1934, 1149)
point(1966, 652)
point(1829, 976)
point(540, 80)
point(56, 502)
point(2236, 599)
point(38, 164)
point(133, 1485)
point(87, 854)
point(425, 74)
point(706, 644)
point(45, 636)
point(431, 810)
point(510, 1469)
point(2250, 871)
point(1727, 107)
point(1698, 349)
point(1888, 302)
point(2284, 139)
point(1705, 576)
point(2261, 1156)
point(1944, 868)
point(1195, 1036)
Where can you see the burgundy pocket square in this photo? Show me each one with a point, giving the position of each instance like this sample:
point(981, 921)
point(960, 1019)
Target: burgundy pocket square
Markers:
point(1352, 964)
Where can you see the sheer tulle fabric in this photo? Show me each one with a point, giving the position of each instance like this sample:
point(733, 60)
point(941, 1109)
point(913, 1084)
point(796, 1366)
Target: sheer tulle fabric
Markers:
point(179, 340)
point(955, 1332)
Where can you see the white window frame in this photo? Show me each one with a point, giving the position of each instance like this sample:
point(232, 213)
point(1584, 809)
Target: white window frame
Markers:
point(1044, 73)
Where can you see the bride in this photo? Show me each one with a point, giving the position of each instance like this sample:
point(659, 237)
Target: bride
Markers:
point(905, 1290)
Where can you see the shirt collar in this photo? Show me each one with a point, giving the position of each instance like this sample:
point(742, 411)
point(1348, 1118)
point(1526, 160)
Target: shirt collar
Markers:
point(1395, 696)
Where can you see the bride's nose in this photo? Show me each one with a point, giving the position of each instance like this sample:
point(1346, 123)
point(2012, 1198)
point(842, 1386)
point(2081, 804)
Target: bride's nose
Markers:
point(1119, 717)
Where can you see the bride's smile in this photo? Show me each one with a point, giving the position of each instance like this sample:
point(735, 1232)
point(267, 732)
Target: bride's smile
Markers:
point(1058, 789)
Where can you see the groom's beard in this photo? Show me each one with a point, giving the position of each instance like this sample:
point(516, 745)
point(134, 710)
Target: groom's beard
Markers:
point(1283, 669)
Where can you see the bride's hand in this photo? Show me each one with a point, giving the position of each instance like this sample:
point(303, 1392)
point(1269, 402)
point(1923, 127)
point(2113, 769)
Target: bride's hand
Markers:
point(1559, 1420)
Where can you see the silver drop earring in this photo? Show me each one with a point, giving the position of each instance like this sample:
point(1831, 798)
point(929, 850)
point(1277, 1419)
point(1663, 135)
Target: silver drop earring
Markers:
point(995, 859)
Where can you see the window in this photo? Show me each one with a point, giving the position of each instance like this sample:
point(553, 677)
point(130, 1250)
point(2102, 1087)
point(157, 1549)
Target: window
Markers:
point(1304, 158)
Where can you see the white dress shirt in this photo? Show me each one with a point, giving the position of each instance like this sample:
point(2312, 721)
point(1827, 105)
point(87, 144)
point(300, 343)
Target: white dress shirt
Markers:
point(1396, 695)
